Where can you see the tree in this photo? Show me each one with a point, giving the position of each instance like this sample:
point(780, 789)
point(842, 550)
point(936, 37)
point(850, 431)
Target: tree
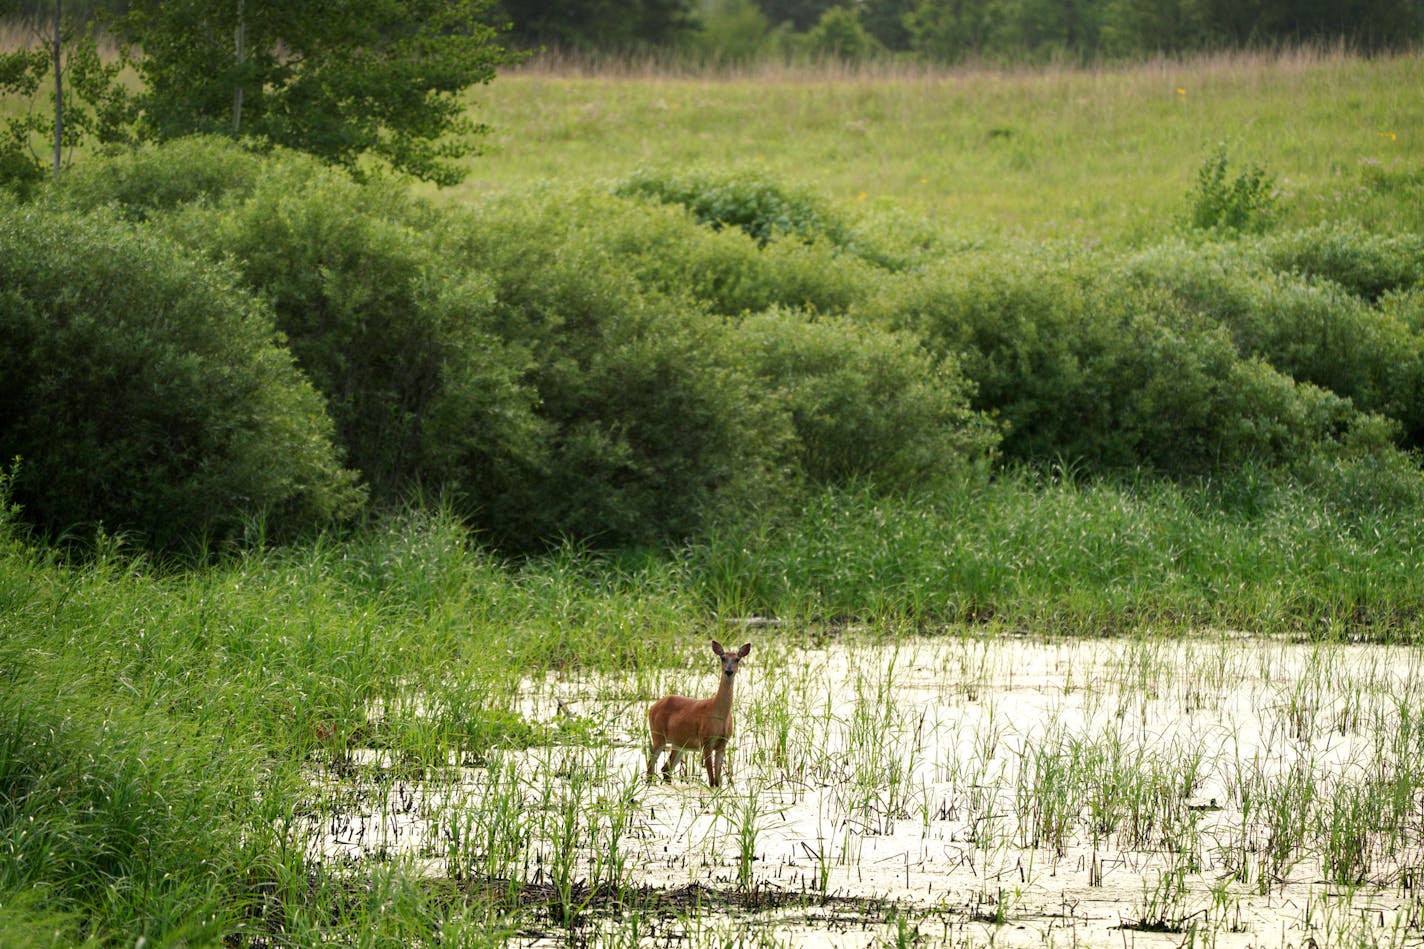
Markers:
point(86, 98)
point(950, 30)
point(600, 24)
point(801, 14)
point(885, 20)
point(340, 80)
point(838, 34)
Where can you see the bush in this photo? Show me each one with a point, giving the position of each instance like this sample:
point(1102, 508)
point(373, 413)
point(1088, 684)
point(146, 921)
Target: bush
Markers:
point(839, 35)
point(1244, 204)
point(1086, 367)
point(650, 424)
point(1314, 332)
point(151, 180)
point(732, 31)
point(666, 251)
point(760, 207)
point(145, 391)
point(1367, 265)
point(421, 389)
point(868, 404)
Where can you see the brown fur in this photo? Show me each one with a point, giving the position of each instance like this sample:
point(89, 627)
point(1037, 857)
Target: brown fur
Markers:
point(688, 724)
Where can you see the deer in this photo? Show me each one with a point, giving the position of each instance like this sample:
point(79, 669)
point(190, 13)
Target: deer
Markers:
point(686, 723)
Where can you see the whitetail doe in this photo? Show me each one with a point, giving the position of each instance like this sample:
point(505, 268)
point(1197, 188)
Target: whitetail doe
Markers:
point(686, 723)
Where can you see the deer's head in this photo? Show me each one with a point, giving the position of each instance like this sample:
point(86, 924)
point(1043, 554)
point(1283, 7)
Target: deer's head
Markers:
point(730, 660)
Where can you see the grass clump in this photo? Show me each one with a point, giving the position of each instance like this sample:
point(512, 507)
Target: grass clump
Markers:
point(119, 826)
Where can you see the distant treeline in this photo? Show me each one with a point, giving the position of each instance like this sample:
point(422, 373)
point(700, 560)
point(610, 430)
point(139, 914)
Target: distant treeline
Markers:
point(931, 30)
point(954, 30)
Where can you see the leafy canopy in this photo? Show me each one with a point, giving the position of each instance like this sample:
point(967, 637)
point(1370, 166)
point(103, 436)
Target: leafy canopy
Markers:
point(336, 78)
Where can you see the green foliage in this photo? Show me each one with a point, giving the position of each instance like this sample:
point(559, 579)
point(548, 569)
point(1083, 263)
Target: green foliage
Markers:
point(631, 367)
point(732, 31)
point(345, 84)
point(95, 106)
point(839, 35)
point(1314, 331)
point(868, 404)
point(615, 25)
point(1243, 204)
point(420, 387)
point(1256, 548)
point(651, 424)
point(1367, 264)
point(759, 206)
point(725, 269)
point(151, 179)
point(121, 822)
point(779, 218)
point(1083, 366)
point(146, 392)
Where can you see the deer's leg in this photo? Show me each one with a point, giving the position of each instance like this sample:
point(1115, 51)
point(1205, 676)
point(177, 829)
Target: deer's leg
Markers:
point(655, 752)
point(673, 755)
point(722, 763)
point(709, 756)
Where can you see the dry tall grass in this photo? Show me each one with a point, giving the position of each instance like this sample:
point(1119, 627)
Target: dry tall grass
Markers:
point(676, 64)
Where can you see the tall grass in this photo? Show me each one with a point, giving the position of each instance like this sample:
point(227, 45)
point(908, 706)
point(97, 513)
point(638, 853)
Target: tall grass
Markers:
point(160, 730)
point(1070, 556)
point(1105, 153)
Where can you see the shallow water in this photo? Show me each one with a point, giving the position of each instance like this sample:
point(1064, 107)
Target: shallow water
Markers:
point(959, 791)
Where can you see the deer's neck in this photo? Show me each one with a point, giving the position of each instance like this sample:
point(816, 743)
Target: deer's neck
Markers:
point(722, 701)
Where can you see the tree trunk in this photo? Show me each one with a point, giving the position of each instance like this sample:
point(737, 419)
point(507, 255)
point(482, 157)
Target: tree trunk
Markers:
point(58, 87)
point(240, 42)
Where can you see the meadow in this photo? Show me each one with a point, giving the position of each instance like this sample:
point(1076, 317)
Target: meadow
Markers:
point(1078, 547)
point(1103, 154)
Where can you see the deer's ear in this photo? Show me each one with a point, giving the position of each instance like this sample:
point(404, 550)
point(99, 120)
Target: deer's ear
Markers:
point(717, 648)
point(746, 650)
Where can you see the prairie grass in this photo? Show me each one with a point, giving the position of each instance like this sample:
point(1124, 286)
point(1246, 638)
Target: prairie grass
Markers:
point(1105, 153)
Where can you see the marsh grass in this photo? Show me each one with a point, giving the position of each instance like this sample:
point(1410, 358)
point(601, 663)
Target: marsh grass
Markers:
point(1072, 557)
point(399, 733)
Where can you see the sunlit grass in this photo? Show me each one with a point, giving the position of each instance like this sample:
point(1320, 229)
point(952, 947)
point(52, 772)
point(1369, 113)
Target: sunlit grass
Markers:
point(1103, 153)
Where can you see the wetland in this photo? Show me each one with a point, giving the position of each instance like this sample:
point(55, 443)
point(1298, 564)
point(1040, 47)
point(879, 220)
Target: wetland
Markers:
point(1225, 790)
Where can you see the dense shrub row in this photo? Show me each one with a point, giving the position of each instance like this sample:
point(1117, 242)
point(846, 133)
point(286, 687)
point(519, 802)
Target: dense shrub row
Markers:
point(146, 391)
point(625, 365)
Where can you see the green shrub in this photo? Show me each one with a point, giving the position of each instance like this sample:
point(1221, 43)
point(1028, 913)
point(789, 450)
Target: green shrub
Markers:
point(152, 179)
point(1244, 204)
point(421, 389)
point(867, 403)
point(1368, 265)
point(1087, 367)
point(145, 391)
point(667, 252)
point(650, 424)
point(1314, 332)
point(731, 31)
point(769, 213)
point(839, 35)
point(760, 207)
